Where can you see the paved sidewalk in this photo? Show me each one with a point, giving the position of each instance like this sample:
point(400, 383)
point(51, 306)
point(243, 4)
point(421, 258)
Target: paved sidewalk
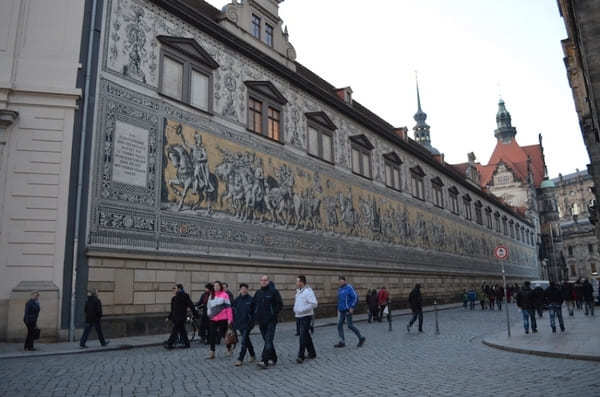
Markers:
point(15, 350)
point(579, 342)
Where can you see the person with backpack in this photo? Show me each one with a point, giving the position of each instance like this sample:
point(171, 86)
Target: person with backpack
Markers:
point(525, 301)
point(93, 314)
point(266, 305)
point(347, 301)
point(242, 314)
point(305, 304)
point(415, 300)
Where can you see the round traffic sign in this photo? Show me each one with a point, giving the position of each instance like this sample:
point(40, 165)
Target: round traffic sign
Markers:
point(501, 252)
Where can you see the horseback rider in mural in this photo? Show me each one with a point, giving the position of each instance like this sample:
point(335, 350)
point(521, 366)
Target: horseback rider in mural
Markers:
point(199, 161)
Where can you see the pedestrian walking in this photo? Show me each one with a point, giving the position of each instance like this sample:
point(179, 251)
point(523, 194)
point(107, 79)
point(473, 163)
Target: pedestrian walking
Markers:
point(305, 304)
point(569, 297)
point(472, 298)
point(242, 315)
point(578, 289)
point(93, 314)
point(538, 300)
point(347, 301)
point(32, 312)
point(180, 303)
point(465, 298)
point(220, 316)
point(387, 311)
point(525, 301)
point(382, 299)
point(372, 304)
point(499, 296)
point(588, 297)
point(415, 300)
point(554, 298)
point(483, 296)
point(266, 305)
point(202, 313)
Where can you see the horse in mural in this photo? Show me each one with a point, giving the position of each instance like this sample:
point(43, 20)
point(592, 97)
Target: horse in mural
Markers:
point(185, 180)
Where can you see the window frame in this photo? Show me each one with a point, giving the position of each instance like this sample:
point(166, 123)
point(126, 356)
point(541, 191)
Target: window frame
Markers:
point(437, 189)
point(468, 208)
point(253, 26)
point(488, 218)
point(498, 227)
point(189, 65)
point(417, 183)
point(511, 228)
point(505, 225)
point(453, 198)
point(393, 162)
point(269, 33)
point(267, 103)
point(363, 151)
point(478, 213)
point(321, 130)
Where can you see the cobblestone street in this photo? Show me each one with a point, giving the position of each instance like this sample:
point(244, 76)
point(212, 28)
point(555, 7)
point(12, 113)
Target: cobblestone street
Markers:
point(396, 363)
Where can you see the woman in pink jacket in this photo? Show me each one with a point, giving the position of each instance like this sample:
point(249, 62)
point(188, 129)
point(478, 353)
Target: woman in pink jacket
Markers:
point(220, 315)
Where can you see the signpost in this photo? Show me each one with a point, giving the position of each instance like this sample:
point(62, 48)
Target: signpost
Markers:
point(501, 253)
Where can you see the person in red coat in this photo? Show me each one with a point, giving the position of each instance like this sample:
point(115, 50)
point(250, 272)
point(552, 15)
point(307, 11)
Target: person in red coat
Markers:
point(382, 301)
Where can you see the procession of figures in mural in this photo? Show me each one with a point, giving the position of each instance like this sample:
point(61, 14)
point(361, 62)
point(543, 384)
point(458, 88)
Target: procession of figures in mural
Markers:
point(249, 187)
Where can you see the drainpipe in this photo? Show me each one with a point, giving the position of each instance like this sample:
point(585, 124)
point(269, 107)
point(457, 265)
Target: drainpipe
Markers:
point(84, 129)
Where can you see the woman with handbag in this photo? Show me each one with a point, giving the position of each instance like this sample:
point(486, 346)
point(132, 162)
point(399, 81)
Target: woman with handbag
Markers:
point(32, 312)
point(221, 318)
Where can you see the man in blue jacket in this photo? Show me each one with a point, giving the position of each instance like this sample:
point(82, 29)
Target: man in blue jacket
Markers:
point(347, 301)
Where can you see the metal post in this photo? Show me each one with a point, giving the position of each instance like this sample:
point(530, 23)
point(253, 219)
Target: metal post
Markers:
point(507, 306)
point(437, 325)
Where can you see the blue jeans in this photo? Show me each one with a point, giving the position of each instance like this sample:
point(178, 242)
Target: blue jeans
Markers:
point(556, 311)
point(589, 307)
point(268, 333)
point(246, 344)
point(343, 316)
point(417, 315)
point(529, 314)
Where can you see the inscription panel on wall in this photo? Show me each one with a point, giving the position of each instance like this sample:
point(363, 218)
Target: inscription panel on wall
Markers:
point(130, 156)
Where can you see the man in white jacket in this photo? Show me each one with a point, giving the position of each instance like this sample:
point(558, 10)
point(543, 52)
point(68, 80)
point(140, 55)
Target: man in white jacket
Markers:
point(304, 305)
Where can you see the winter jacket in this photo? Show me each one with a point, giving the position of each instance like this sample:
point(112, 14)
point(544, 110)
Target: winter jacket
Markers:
point(538, 297)
point(305, 302)
point(347, 298)
point(32, 312)
point(382, 297)
point(525, 299)
point(578, 289)
point(219, 307)
point(499, 293)
point(553, 295)
point(266, 305)
point(588, 291)
point(179, 305)
point(93, 309)
point(242, 312)
point(567, 292)
point(415, 300)
point(372, 301)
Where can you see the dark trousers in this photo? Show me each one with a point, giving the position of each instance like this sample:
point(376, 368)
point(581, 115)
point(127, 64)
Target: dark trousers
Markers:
point(589, 307)
point(380, 313)
point(556, 311)
point(179, 330)
point(499, 304)
point(372, 315)
point(86, 333)
point(216, 330)
point(529, 314)
point(203, 329)
point(246, 344)
point(267, 331)
point(29, 339)
point(306, 342)
point(417, 314)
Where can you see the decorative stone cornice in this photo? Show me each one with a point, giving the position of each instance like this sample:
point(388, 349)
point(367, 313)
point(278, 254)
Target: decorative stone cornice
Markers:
point(7, 118)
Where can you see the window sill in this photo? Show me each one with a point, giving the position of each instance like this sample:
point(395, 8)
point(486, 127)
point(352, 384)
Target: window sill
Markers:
point(419, 198)
point(320, 159)
point(182, 102)
point(363, 176)
point(265, 137)
point(393, 188)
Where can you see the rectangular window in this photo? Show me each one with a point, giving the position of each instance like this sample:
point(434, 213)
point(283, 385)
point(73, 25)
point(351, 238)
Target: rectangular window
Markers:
point(356, 161)
point(320, 142)
point(418, 186)
point(591, 248)
point(488, 216)
point(255, 116)
point(327, 148)
point(468, 213)
point(199, 90)
point(269, 35)
point(361, 161)
point(512, 231)
point(497, 223)
point(392, 175)
point(478, 215)
point(366, 163)
point(256, 26)
point(172, 78)
point(438, 196)
point(313, 141)
point(273, 124)
point(454, 203)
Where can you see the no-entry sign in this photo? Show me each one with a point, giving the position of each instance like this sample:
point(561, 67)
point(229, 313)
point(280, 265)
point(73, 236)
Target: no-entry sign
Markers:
point(501, 252)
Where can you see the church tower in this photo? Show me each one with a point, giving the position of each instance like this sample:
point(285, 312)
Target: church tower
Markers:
point(422, 129)
point(505, 131)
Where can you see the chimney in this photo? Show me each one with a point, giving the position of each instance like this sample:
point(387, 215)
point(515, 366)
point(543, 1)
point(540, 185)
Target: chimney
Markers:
point(345, 94)
point(402, 133)
point(439, 158)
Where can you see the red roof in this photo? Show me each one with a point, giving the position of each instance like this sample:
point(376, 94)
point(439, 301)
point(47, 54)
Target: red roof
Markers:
point(515, 158)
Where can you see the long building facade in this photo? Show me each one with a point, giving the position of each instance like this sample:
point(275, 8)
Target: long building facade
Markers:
point(210, 153)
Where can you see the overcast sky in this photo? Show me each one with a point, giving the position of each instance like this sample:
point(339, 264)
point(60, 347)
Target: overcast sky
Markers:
point(467, 53)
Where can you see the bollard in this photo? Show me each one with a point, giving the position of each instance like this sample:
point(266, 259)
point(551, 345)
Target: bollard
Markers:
point(437, 325)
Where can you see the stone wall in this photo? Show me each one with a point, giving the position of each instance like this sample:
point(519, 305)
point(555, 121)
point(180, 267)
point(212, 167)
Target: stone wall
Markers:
point(136, 290)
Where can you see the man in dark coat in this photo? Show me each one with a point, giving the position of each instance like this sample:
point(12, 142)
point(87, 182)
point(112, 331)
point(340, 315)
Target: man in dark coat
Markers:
point(93, 314)
point(180, 303)
point(499, 296)
point(32, 312)
point(525, 299)
point(415, 300)
point(538, 300)
point(554, 298)
point(266, 305)
point(372, 304)
point(578, 289)
point(203, 315)
point(242, 322)
point(588, 297)
point(568, 297)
